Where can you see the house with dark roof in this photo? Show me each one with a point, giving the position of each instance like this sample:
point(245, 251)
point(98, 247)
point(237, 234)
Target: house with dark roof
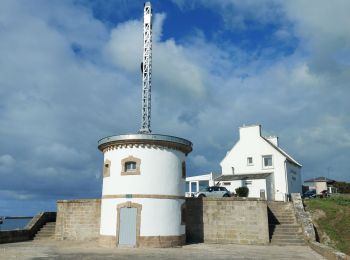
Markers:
point(259, 163)
point(320, 184)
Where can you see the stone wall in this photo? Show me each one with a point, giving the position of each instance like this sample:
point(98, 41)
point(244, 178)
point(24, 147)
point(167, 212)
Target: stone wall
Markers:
point(29, 231)
point(11, 236)
point(328, 252)
point(226, 220)
point(78, 219)
point(209, 220)
point(303, 217)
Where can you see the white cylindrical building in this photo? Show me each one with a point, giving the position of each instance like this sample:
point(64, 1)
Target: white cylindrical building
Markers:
point(143, 194)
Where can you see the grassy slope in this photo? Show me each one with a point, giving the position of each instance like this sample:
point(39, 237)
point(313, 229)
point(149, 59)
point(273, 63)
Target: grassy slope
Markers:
point(336, 222)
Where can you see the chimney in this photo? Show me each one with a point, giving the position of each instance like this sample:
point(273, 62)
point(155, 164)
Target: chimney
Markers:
point(273, 139)
point(248, 132)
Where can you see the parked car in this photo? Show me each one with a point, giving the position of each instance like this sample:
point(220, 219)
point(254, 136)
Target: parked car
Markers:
point(213, 191)
point(309, 194)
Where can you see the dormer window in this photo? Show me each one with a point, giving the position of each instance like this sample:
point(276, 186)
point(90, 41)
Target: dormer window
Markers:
point(130, 166)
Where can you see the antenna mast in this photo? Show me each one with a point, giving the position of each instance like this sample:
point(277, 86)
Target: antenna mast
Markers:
point(146, 69)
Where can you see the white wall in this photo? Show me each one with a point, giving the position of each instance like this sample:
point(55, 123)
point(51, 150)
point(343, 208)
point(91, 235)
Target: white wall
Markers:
point(270, 187)
point(234, 185)
point(320, 186)
point(294, 178)
point(160, 172)
point(159, 217)
point(254, 188)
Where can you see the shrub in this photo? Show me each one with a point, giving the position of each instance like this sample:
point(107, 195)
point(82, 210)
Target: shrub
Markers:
point(242, 192)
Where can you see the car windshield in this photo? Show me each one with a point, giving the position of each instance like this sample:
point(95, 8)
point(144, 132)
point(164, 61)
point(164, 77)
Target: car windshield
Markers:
point(204, 189)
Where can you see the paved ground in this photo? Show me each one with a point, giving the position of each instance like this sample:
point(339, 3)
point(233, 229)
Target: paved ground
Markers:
point(83, 250)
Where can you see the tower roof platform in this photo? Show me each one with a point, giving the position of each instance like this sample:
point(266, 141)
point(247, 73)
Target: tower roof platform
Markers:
point(146, 139)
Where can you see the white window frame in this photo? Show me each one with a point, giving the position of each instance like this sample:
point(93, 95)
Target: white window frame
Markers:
point(252, 163)
point(263, 161)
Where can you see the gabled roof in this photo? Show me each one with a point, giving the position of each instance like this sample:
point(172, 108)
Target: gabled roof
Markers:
point(320, 179)
point(250, 176)
point(289, 158)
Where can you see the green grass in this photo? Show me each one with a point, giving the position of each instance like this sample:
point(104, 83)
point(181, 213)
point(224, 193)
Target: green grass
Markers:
point(336, 222)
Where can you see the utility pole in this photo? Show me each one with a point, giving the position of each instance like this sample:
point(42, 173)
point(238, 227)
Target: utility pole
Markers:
point(146, 69)
point(328, 171)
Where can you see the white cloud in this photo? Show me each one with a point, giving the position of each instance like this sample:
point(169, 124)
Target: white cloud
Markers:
point(61, 154)
point(173, 71)
point(322, 27)
point(67, 80)
point(200, 161)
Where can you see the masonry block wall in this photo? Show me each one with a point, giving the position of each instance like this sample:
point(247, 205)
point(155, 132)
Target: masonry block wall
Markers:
point(226, 220)
point(78, 219)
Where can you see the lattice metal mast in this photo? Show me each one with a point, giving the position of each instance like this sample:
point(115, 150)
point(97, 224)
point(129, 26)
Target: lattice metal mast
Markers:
point(146, 69)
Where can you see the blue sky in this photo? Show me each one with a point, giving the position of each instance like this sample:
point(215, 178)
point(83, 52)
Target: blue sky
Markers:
point(69, 75)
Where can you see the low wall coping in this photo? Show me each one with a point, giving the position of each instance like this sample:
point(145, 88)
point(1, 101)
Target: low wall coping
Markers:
point(78, 201)
point(328, 252)
point(226, 199)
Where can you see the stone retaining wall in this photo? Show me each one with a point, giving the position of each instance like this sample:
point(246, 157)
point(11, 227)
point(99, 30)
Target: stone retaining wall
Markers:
point(29, 231)
point(328, 252)
point(226, 220)
point(78, 219)
point(304, 218)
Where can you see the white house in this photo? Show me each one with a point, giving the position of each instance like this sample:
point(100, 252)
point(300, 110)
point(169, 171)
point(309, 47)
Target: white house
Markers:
point(196, 183)
point(320, 184)
point(258, 163)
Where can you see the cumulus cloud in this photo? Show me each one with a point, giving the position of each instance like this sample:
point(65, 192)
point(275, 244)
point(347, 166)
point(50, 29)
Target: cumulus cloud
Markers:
point(292, 96)
point(174, 71)
point(68, 78)
point(199, 160)
point(324, 34)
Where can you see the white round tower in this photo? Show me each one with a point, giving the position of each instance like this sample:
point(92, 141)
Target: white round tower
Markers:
point(143, 190)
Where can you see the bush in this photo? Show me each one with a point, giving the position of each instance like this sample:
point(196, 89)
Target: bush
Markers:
point(343, 187)
point(242, 192)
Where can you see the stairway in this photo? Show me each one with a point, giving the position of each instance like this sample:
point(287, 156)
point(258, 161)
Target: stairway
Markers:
point(47, 232)
point(283, 227)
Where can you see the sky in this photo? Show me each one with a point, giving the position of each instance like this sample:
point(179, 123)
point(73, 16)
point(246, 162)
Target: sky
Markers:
point(70, 75)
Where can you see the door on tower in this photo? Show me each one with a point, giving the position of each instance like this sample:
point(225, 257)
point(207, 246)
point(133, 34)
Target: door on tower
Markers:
point(127, 227)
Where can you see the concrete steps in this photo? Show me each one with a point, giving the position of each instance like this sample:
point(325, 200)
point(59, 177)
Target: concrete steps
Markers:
point(283, 227)
point(47, 232)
